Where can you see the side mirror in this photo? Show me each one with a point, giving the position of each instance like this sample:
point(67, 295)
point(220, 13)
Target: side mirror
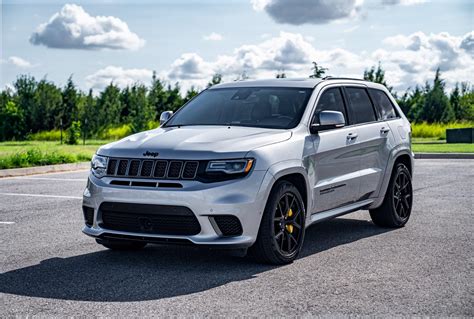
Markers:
point(327, 120)
point(165, 116)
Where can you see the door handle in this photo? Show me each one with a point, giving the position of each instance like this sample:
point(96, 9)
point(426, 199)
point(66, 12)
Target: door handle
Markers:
point(351, 136)
point(384, 130)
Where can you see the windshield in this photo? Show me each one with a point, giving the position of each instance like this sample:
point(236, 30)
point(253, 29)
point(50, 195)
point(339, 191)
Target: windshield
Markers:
point(279, 108)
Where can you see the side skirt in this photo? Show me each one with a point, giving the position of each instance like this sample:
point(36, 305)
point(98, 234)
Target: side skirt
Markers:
point(332, 213)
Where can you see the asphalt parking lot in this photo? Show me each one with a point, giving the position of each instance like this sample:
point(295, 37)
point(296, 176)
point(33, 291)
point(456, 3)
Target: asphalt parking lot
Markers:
point(347, 266)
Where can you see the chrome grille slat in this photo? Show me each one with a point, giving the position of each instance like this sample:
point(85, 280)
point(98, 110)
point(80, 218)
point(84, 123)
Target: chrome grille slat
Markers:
point(152, 169)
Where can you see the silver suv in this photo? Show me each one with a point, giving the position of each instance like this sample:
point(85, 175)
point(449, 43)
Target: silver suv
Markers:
point(252, 164)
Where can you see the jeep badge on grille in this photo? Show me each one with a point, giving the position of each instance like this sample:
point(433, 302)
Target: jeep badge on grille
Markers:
point(152, 154)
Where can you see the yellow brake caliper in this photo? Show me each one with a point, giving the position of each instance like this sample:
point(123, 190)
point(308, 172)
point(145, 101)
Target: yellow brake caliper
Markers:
point(289, 227)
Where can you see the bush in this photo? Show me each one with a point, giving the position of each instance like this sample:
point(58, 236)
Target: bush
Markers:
point(35, 157)
point(73, 133)
point(116, 133)
point(53, 135)
point(436, 130)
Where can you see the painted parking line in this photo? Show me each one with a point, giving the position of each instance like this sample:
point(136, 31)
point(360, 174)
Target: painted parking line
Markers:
point(7, 223)
point(40, 195)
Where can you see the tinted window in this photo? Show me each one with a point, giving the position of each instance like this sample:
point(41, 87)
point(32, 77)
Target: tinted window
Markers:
point(383, 105)
point(255, 106)
point(361, 106)
point(331, 100)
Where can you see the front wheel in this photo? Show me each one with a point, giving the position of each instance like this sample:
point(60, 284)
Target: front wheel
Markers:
point(121, 244)
point(282, 229)
point(396, 207)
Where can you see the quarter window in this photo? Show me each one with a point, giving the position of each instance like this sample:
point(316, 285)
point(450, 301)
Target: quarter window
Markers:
point(331, 100)
point(383, 105)
point(360, 104)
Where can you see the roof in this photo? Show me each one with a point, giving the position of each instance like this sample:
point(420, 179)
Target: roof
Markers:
point(288, 82)
point(296, 83)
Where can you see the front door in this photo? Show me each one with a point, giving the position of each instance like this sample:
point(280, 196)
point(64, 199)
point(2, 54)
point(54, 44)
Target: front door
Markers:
point(336, 158)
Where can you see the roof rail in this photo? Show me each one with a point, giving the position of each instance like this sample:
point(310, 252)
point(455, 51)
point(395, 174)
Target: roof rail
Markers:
point(341, 78)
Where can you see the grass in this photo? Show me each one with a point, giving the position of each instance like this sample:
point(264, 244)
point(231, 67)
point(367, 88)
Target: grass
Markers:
point(442, 148)
point(38, 153)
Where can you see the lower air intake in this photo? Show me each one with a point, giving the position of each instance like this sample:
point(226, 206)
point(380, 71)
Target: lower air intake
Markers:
point(149, 219)
point(228, 225)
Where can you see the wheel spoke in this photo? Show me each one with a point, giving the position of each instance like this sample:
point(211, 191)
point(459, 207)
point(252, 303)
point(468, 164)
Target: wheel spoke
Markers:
point(292, 202)
point(295, 224)
point(288, 236)
point(277, 236)
point(287, 207)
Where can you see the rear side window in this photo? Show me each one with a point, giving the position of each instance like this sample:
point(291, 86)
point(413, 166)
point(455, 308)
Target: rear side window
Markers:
point(383, 105)
point(331, 100)
point(360, 105)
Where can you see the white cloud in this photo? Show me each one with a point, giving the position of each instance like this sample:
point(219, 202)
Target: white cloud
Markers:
point(299, 12)
point(19, 62)
point(403, 2)
point(408, 60)
point(213, 37)
point(351, 29)
point(74, 28)
point(119, 76)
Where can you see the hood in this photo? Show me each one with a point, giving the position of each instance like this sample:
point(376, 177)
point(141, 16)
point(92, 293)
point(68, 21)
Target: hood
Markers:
point(195, 142)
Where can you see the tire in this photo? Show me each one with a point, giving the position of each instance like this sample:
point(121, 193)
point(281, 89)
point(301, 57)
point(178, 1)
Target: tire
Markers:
point(282, 230)
point(396, 207)
point(121, 244)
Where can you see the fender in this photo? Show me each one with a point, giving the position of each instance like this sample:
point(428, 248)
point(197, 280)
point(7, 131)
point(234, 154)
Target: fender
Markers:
point(394, 154)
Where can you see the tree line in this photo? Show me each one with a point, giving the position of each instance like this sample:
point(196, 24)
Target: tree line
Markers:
point(32, 105)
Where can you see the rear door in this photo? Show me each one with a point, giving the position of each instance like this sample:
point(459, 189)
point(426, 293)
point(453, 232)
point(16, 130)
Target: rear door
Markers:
point(336, 157)
point(372, 140)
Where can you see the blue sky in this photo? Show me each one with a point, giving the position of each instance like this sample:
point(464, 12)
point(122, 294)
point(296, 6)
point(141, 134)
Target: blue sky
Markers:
point(187, 41)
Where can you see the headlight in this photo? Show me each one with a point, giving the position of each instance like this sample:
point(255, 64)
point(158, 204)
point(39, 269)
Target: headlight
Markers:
point(240, 166)
point(99, 166)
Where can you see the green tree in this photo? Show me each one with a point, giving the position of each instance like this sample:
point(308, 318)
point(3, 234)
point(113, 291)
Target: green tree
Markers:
point(216, 79)
point(70, 108)
point(377, 75)
point(109, 107)
point(466, 102)
point(190, 93)
point(437, 107)
point(173, 98)
point(281, 75)
point(73, 133)
point(12, 124)
point(25, 87)
point(157, 96)
point(139, 110)
point(318, 71)
point(48, 103)
point(89, 115)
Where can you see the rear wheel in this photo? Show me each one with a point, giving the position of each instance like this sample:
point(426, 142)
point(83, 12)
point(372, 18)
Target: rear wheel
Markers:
point(282, 229)
point(121, 244)
point(396, 207)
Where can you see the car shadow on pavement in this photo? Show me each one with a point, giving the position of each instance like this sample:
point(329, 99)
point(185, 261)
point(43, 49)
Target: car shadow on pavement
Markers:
point(160, 271)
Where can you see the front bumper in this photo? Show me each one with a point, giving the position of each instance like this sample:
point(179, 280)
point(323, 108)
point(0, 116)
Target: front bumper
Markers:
point(244, 198)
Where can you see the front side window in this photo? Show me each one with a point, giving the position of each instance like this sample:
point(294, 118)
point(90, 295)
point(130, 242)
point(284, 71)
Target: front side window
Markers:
point(331, 100)
point(383, 105)
point(360, 104)
point(279, 108)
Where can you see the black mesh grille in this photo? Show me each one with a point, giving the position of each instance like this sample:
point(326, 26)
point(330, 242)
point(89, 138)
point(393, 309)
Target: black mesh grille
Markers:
point(175, 169)
point(134, 166)
point(147, 166)
point(160, 169)
point(190, 169)
point(122, 168)
point(88, 215)
point(228, 225)
point(112, 167)
point(149, 219)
